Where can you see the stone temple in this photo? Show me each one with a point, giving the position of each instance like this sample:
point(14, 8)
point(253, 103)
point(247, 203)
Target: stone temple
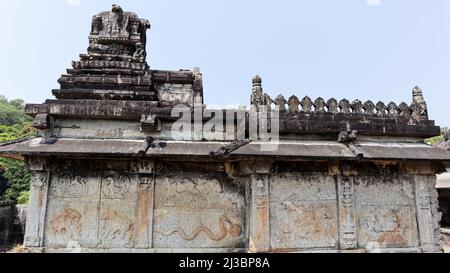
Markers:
point(115, 170)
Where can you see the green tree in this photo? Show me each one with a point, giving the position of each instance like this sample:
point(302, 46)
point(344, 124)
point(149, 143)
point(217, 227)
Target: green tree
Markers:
point(18, 178)
point(12, 112)
point(14, 124)
point(437, 139)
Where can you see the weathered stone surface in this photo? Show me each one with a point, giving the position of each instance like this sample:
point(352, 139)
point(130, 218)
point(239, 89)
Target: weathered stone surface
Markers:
point(198, 211)
point(388, 222)
point(72, 214)
point(303, 212)
point(173, 94)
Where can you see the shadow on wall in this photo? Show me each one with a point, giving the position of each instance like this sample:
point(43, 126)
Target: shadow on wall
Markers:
point(12, 223)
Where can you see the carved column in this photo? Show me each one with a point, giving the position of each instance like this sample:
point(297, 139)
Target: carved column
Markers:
point(428, 216)
point(34, 231)
point(347, 221)
point(145, 171)
point(259, 214)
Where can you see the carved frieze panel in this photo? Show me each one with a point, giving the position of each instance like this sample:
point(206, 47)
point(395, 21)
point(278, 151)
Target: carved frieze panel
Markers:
point(119, 201)
point(144, 167)
point(303, 225)
point(71, 221)
point(66, 185)
point(199, 211)
point(72, 211)
point(115, 186)
point(74, 185)
point(303, 211)
point(176, 94)
point(116, 226)
point(385, 211)
point(386, 227)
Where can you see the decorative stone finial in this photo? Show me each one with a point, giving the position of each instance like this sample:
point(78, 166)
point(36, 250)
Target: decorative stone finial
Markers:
point(381, 109)
point(280, 102)
point(419, 106)
point(332, 105)
point(259, 98)
point(417, 91)
point(117, 8)
point(306, 104)
point(392, 108)
point(357, 106)
point(405, 111)
point(118, 34)
point(344, 105)
point(293, 103)
point(257, 80)
point(369, 107)
point(319, 105)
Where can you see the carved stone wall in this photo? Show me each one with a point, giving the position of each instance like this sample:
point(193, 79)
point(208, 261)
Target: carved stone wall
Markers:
point(303, 211)
point(194, 210)
point(146, 206)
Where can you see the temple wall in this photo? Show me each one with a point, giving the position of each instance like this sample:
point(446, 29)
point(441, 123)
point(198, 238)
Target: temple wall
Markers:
point(119, 207)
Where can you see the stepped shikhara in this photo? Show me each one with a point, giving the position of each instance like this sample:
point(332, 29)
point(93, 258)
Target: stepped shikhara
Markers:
point(129, 159)
point(115, 67)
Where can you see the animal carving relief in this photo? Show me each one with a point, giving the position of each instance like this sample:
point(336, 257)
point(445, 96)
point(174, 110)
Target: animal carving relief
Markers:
point(67, 224)
point(387, 228)
point(116, 227)
point(302, 225)
point(115, 187)
point(226, 226)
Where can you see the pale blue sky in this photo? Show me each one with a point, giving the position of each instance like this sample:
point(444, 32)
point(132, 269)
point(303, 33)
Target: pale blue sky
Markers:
point(357, 49)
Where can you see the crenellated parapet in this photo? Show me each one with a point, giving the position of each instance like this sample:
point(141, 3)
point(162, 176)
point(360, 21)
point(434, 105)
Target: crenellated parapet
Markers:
point(306, 105)
point(309, 115)
point(415, 112)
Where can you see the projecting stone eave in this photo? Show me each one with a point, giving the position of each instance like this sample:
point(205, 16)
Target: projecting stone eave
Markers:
point(188, 150)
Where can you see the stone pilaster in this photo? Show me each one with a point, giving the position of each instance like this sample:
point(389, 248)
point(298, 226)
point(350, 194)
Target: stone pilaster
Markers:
point(34, 232)
point(428, 216)
point(144, 211)
point(259, 222)
point(145, 171)
point(347, 220)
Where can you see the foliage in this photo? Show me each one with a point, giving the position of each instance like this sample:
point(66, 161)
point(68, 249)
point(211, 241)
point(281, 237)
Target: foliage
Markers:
point(18, 179)
point(438, 139)
point(11, 113)
point(14, 124)
point(23, 197)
